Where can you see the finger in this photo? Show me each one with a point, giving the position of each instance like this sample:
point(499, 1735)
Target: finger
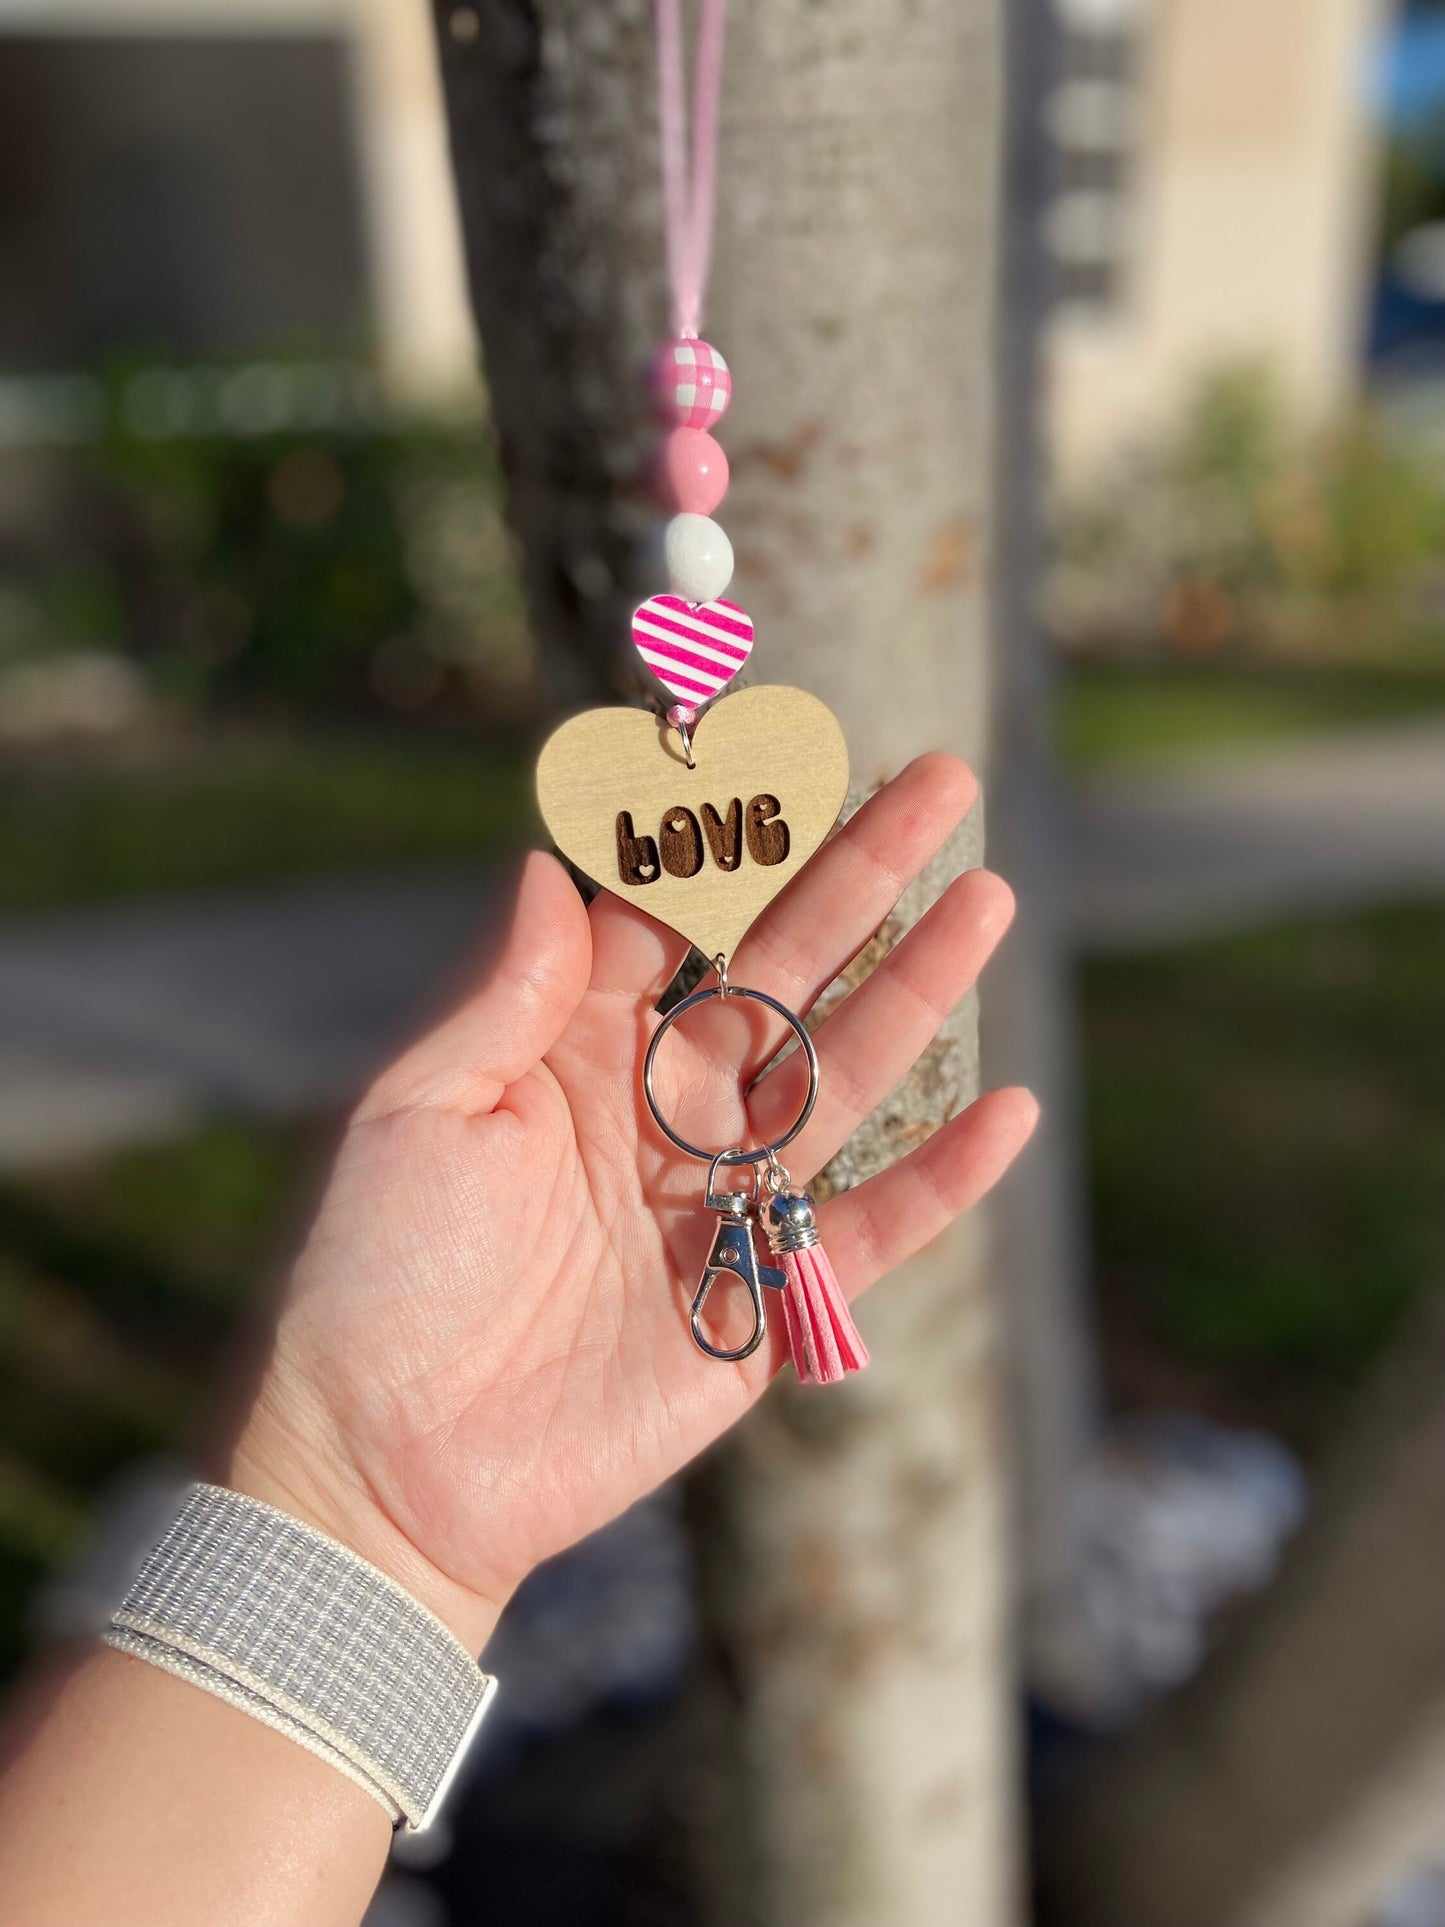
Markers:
point(869, 1231)
point(875, 1227)
point(633, 955)
point(875, 1036)
point(834, 905)
point(533, 986)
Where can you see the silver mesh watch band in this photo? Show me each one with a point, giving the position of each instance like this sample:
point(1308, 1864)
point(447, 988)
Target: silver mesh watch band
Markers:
point(296, 1630)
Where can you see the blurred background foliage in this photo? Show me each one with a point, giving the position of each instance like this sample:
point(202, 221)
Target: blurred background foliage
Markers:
point(253, 626)
point(1238, 534)
point(1267, 1159)
point(122, 1283)
point(241, 561)
point(234, 656)
point(232, 648)
point(260, 622)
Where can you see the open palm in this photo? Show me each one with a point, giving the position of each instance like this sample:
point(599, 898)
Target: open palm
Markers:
point(487, 1338)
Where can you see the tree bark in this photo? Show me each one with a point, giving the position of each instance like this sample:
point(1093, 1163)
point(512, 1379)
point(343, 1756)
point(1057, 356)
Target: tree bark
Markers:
point(1302, 1771)
point(852, 1544)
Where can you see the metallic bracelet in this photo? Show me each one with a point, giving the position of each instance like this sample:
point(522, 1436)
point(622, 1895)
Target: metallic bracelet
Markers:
point(294, 1629)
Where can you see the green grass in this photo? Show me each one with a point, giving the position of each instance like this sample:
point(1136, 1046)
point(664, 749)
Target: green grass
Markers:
point(243, 811)
point(122, 1287)
point(1267, 1142)
point(1114, 713)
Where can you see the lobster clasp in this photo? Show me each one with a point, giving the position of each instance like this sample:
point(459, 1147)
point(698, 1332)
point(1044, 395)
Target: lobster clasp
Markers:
point(733, 1252)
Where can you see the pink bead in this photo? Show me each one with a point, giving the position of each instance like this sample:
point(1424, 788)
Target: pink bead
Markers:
point(690, 473)
point(690, 384)
point(681, 717)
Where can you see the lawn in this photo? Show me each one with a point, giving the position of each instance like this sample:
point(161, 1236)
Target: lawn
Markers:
point(1267, 1147)
point(121, 1284)
point(1112, 713)
point(1266, 1113)
point(245, 809)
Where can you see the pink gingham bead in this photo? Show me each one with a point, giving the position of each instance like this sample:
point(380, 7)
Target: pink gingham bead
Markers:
point(691, 386)
point(690, 474)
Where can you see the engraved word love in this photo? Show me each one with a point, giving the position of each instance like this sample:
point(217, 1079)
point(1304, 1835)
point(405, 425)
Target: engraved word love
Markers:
point(712, 845)
point(678, 846)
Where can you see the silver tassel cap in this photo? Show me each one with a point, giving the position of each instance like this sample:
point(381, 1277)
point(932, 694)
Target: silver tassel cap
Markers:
point(792, 1222)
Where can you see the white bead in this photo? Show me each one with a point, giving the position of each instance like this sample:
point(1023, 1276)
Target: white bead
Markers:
point(699, 558)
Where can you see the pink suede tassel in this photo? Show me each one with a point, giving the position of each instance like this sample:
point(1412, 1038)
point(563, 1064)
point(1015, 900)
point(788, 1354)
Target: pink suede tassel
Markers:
point(824, 1340)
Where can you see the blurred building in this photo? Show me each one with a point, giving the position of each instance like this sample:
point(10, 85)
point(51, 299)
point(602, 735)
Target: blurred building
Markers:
point(1216, 196)
point(203, 179)
point(1216, 202)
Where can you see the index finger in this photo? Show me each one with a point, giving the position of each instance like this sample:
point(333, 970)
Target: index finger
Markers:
point(815, 928)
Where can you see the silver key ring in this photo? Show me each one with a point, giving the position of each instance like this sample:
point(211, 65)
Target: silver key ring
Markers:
point(799, 1030)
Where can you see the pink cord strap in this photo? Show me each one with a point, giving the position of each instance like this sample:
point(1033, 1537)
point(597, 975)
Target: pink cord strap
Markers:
point(688, 196)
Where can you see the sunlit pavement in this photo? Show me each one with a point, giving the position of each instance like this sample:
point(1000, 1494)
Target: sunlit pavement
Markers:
point(135, 1022)
point(1198, 848)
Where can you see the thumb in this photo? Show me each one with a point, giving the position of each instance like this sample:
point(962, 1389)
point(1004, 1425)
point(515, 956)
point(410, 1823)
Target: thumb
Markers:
point(534, 984)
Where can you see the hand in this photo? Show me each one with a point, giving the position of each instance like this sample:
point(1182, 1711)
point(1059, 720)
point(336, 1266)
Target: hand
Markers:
point(485, 1353)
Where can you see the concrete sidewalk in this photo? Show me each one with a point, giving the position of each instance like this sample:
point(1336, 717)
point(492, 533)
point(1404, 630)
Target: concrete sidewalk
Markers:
point(1199, 849)
point(133, 1022)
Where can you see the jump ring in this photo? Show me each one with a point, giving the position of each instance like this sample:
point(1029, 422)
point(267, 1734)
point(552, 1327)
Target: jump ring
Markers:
point(794, 1023)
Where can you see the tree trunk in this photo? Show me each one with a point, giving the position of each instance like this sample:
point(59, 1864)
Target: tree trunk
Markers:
point(1301, 1773)
point(1039, 1213)
point(851, 1545)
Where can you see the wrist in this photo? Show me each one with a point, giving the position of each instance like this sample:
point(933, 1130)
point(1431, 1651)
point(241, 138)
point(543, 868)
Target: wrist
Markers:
point(291, 1465)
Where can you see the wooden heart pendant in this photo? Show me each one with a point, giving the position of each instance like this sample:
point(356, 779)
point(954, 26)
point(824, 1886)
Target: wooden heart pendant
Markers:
point(703, 850)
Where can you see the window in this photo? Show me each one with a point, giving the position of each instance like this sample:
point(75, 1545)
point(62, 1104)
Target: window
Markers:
point(1092, 117)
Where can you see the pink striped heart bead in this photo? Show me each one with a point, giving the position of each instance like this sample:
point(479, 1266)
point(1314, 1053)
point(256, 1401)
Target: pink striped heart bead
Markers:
point(693, 648)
